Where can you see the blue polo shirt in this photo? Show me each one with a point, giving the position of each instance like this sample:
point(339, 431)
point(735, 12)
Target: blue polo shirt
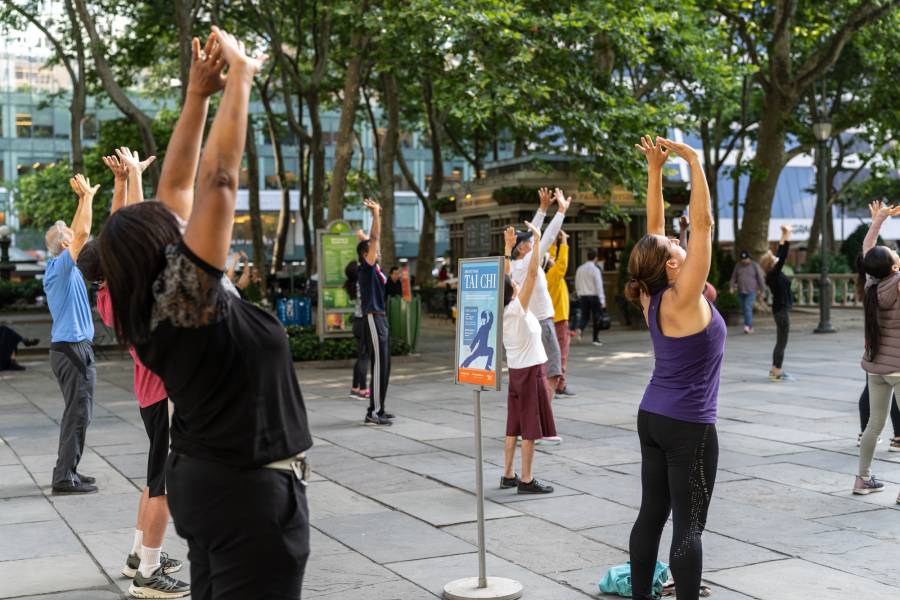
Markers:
point(68, 300)
point(371, 287)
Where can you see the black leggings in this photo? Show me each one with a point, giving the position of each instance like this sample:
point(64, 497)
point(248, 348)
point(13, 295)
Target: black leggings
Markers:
point(783, 326)
point(379, 345)
point(678, 470)
point(361, 366)
point(864, 412)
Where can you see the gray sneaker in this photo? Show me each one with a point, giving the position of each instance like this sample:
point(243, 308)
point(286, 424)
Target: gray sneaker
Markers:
point(133, 562)
point(158, 585)
point(867, 486)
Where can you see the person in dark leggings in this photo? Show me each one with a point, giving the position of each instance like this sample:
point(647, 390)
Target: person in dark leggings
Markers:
point(677, 416)
point(360, 388)
point(780, 284)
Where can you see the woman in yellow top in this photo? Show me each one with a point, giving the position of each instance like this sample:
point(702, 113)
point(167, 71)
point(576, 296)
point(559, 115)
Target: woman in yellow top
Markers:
point(557, 265)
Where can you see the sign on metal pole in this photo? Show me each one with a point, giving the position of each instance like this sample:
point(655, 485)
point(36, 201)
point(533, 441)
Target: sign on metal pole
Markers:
point(479, 327)
point(336, 246)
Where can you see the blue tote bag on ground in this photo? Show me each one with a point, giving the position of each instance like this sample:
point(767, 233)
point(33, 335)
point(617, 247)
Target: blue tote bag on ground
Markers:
point(618, 580)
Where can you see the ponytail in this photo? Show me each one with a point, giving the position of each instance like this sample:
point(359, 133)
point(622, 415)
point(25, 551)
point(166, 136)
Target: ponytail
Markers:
point(872, 329)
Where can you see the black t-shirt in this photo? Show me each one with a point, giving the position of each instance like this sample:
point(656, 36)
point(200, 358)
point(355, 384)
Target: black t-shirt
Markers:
point(778, 282)
point(371, 287)
point(227, 367)
point(393, 288)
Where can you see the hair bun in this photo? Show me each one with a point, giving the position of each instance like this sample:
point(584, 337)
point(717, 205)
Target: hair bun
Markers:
point(633, 289)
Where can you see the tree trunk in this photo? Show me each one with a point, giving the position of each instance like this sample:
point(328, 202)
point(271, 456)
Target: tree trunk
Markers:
point(343, 150)
point(427, 245)
point(259, 250)
point(116, 93)
point(736, 197)
point(766, 168)
point(519, 148)
point(308, 234)
point(386, 159)
point(317, 148)
point(284, 212)
point(184, 19)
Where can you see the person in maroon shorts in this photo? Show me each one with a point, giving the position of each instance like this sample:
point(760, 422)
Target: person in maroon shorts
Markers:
point(529, 414)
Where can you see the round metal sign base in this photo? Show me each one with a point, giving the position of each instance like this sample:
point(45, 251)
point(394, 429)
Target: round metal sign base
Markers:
point(498, 588)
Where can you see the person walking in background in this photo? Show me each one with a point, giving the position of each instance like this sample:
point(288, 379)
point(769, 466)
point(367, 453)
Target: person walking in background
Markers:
point(71, 336)
point(748, 279)
point(529, 414)
point(676, 421)
point(780, 284)
point(9, 343)
point(359, 389)
point(558, 265)
point(393, 287)
point(881, 360)
point(372, 282)
point(591, 296)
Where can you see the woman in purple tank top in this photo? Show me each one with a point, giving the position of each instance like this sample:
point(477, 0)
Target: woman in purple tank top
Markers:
point(677, 416)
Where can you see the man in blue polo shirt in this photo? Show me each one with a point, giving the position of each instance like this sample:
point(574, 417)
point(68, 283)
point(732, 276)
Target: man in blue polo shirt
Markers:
point(72, 334)
point(372, 282)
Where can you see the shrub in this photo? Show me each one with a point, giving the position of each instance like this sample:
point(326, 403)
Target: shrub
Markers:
point(305, 345)
point(20, 292)
point(727, 301)
point(837, 263)
point(516, 194)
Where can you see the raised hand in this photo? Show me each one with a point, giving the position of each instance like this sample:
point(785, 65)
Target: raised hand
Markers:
point(563, 237)
point(654, 152)
point(132, 160)
point(786, 230)
point(683, 223)
point(879, 209)
point(509, 238)
point(562, 201)
point(682, 150)
point(534, 231)
point(361, 235)
point(81, 185)
point(235, 54)
point(206, 77)
point(372, 206)
point(116, 166)
point(546, 198)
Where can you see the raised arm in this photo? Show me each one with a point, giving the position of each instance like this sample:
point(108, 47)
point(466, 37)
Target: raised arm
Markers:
point(176, 183)
point(656, 155)
point(81, 222)
point(120, 181)
point(546, 199)
point(784, 245)
point(556, 222)
point(695, 270)
point(683, 231)
point(374, 231)
point(209, 229)
point(509, 240)
point(533, 266)
point(880, 213)
point(135, 168)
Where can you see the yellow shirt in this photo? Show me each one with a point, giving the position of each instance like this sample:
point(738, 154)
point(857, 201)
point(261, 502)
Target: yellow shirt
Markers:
point(556, 283)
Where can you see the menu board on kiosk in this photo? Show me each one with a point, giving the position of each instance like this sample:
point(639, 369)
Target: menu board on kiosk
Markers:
point(336, 248)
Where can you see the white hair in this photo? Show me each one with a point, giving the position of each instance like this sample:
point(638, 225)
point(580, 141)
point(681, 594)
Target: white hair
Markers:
point(55, 237)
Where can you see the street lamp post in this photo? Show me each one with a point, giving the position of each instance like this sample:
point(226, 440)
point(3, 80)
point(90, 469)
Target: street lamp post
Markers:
point(822, 132)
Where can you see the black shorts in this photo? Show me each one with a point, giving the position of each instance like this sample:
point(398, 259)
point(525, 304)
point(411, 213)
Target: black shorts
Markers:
point(156, 423)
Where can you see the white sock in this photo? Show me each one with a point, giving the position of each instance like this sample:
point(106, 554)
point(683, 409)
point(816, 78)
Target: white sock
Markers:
point(138, 540)
point(149, 560)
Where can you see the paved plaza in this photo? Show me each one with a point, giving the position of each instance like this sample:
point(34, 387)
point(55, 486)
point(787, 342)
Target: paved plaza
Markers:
point(392, 509)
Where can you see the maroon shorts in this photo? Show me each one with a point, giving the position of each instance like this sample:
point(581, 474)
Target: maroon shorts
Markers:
point(528, 404)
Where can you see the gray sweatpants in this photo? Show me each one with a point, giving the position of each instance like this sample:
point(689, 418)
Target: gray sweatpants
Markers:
point(76, 372)
point(881, 388)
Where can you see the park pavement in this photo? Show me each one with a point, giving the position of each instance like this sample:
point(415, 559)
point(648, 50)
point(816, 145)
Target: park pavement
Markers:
point(392, 509)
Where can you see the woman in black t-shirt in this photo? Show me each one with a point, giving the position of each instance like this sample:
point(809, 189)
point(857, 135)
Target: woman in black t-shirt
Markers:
point(780, 284)
point(236, 476)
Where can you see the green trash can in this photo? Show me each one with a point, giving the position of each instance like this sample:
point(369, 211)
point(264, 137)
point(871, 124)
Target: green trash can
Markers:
point(404, 319)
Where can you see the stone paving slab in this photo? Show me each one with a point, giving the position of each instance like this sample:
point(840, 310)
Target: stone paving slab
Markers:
point(49, 574)
point(444, 506)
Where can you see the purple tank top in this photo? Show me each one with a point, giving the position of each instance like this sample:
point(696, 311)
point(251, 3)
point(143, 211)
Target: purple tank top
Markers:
point(685, 381)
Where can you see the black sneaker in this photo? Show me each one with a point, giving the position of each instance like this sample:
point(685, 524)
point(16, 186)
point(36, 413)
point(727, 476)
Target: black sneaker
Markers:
point(158, 585)
point(535, 487)
point(509, 482)
point(133, 562)
point(375, 419)
point(74, 488)
point(566, 392)
point(86, 478)
point(385, 415)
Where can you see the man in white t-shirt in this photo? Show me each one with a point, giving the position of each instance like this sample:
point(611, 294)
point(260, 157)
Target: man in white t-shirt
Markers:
point(542, 303)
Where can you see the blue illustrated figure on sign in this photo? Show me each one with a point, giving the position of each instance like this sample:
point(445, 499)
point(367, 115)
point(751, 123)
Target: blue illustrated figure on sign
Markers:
point(479, 346)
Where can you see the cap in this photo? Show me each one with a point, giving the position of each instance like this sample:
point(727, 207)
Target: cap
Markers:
point(521, 236)
point(744, 254)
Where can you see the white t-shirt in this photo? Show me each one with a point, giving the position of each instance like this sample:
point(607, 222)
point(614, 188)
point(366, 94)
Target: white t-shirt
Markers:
point(522, 337)
point(541, 304)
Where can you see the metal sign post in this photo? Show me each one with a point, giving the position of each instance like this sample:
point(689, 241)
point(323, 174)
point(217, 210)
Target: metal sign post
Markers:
point(479, 299)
